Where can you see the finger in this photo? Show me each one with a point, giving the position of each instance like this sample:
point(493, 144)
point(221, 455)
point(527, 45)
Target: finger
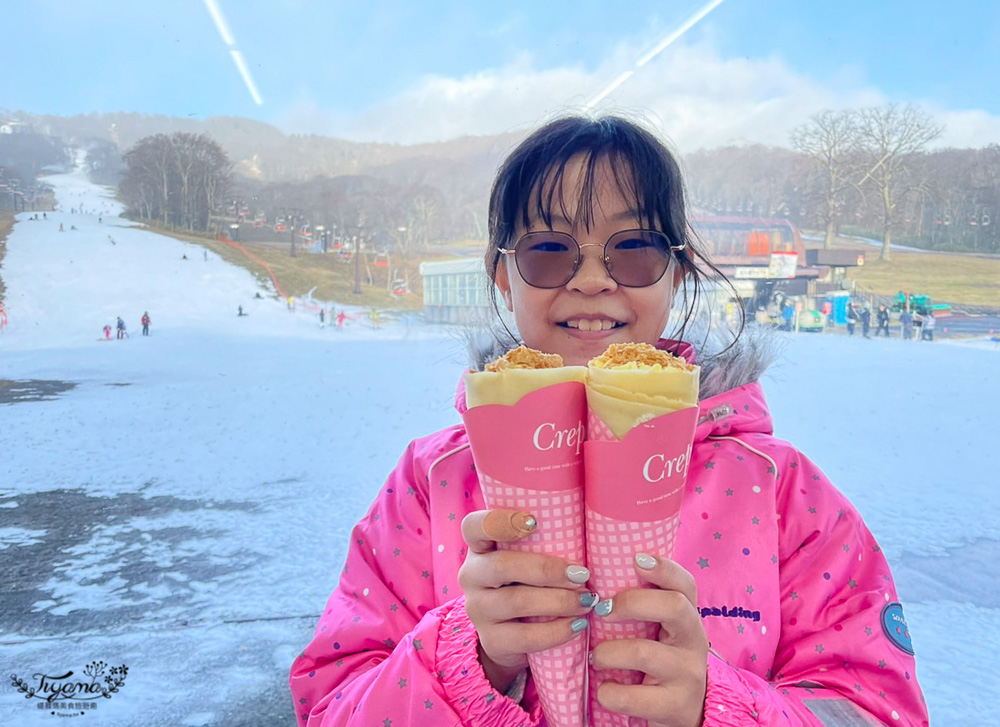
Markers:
point(483, 529)
point(639, 700)
point(534, 637)
point(680, 622)
point(653, 658)
point(668, 575)
point(528, 601)
point(511, 567)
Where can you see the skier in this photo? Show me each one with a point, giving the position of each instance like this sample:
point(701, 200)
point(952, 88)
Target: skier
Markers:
point(927, 328)
point(239, 312)
point(107, 332)
point(906, 318)
point(866, 321)
point(375, 318)
point(341, 317)
point(145, 323)
point(322, 318)
point(852, 318)
point(882, 318)
point(122, 333)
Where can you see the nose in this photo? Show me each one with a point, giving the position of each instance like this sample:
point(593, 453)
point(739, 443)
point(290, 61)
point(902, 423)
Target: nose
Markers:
point(592, 276)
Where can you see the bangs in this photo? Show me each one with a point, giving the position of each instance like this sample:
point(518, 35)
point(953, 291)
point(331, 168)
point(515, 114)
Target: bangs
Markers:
point(533, 187)
point(549, 189)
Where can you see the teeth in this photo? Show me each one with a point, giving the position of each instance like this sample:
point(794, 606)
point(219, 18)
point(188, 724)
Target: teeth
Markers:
point(588, 325)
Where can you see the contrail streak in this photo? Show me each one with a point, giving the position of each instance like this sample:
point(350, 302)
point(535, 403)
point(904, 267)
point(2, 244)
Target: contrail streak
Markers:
point(227, 37)
point(245, 72)
point(662, 46)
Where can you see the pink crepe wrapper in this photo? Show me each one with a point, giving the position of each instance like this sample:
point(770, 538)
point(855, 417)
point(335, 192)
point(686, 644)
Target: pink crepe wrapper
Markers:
point(529, 457)
point(633, 493)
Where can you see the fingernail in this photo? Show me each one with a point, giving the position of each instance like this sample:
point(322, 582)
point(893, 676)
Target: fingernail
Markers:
point(604, 607)
point(645, 561)
point(579, 624)
point(578, 574)
point(525, 523)
point(587, 600)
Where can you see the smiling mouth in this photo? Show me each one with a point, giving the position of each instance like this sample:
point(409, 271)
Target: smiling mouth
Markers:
point(583, 324)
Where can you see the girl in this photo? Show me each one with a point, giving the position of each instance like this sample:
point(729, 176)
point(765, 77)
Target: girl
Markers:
point(777, 607)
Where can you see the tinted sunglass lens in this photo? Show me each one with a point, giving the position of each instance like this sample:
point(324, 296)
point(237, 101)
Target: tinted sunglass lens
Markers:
point(546, 259)
point(638, 258)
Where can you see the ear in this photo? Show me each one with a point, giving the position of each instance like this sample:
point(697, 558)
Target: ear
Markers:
point(502, 281)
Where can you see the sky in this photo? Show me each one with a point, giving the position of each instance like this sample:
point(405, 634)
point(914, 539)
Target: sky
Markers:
point(186, 508)
point(398, 71)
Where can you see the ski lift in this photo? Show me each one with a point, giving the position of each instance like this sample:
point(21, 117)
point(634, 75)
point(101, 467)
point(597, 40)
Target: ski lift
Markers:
point(399, 287)
point(947, 218)
point(986, 219)
point(382, 260)
point(279, 224)
point(973, 222)
point(305, 231)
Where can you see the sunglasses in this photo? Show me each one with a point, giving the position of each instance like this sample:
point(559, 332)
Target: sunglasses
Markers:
point(633, 258)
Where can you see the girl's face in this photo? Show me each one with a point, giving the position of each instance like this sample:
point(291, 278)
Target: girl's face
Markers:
point(579, 320)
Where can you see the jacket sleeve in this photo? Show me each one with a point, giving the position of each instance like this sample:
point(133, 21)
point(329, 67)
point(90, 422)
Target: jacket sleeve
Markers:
point(384, 653)
point(843, 658)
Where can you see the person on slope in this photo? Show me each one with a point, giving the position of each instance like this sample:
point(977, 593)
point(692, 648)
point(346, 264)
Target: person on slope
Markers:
point(431, 624)
point(122, 333)
point(145, 323)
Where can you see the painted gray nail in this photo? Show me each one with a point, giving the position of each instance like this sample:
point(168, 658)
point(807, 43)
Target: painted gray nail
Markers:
point(604, 607)
point(579, 624)
point(577, 574)
point(530, 523)
point(645, 561)
point(587, 600)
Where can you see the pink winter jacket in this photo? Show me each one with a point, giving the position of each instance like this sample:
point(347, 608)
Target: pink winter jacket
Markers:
point(795, 595)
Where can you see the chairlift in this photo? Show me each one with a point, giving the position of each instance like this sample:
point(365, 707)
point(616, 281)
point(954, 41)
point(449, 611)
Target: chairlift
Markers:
point(973, 222)
point(382, 259)
point(305, 231)
point(399, 287)
point(986, 219)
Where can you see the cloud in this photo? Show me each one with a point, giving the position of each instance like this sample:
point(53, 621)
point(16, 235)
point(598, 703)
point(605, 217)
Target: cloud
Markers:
point(695, 97)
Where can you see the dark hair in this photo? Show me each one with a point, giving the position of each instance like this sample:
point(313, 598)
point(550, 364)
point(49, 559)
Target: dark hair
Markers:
point(645, 173)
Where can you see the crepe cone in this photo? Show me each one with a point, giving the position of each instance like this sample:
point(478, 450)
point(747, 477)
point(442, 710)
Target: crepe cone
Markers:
point(526, 429)
point(640, 425)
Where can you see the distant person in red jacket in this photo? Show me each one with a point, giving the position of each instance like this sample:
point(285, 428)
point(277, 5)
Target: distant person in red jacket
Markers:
point(145, 324)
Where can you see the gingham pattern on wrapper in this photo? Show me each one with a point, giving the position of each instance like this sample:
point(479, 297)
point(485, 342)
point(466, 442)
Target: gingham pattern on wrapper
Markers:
point(560, 673)
point(611, 548)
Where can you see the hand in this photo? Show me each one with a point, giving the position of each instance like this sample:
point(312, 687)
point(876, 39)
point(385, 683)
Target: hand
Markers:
point(502, 587)
point(672, 693)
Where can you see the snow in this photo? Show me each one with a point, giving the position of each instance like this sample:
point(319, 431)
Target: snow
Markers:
point(184, 509)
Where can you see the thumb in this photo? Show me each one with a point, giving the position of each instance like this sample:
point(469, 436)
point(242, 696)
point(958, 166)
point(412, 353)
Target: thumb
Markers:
point(483, 529)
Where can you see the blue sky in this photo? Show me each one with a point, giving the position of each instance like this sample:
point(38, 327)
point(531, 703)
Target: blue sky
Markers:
point(414, 71)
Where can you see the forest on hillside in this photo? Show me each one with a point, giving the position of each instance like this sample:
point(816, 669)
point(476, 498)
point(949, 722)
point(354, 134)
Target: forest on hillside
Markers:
point(870, 172)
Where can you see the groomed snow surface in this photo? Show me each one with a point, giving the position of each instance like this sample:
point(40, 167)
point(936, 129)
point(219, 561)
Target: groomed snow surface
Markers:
point(184, 507)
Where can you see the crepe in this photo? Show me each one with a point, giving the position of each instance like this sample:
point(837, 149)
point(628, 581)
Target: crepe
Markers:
point(526, 422)
point(642, 413)
point(517, 373)
point(631, 383)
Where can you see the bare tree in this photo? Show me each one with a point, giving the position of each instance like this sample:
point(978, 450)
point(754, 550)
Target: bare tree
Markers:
point(890, 137)
point(830, 138)
point(176, 180)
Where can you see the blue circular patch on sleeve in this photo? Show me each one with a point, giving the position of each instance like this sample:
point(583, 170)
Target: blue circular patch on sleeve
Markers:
point(895, 628)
